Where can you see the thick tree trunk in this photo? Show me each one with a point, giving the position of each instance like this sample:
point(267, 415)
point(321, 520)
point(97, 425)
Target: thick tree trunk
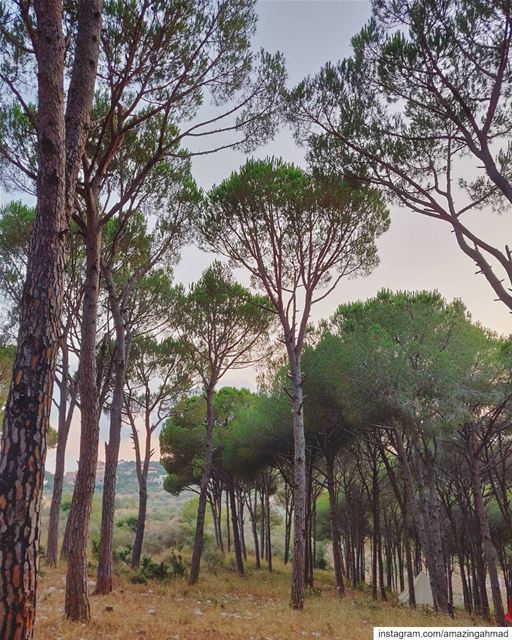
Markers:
point(60, 145)
point(237, 544)
point(335, 531)
point(299, 485)
point(66, 410)
point(27, 412)
point(77, 600)
point(205, 479)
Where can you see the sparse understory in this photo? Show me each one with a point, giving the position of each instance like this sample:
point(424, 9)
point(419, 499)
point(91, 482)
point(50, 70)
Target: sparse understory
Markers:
point(225, 606)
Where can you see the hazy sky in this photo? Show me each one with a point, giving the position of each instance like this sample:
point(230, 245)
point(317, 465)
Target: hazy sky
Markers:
point(416, 253)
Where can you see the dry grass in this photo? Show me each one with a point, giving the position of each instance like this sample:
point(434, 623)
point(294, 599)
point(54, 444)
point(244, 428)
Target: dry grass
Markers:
point(223, 606)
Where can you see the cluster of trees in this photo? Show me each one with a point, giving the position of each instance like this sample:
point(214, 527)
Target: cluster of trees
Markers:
point(407, 414)
point(100, 116)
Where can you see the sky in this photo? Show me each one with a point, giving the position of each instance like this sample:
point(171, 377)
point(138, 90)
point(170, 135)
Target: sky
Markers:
point(416, 253)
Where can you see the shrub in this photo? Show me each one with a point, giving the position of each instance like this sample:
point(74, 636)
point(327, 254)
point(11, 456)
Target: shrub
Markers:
point(130, 523)
point(178, 566)
point(321, 556)
point(159, 571)
point(123, 553)
point(213, 559)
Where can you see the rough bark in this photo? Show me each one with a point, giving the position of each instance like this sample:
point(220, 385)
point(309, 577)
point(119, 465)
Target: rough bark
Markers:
point(488, 549)
point(77, 600)
point(241, 520)
point(60, 144)
point(27, 412)
point(268, 532)
point(421, 513)
point(142, 478)
point(237, 543)
point(141, 524)
point(335, 531)
point(121, 354)
point(299, 486)
point(205, 479)
point(254, 527)
point(66, 410)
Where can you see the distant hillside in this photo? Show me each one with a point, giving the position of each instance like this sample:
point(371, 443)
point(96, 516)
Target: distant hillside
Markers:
point(126, 478)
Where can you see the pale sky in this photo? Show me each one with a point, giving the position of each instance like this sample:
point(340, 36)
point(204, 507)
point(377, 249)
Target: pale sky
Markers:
point(416, 253)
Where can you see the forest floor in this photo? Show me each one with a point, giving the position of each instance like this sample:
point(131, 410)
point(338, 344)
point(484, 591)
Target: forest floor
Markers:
point(224, 606)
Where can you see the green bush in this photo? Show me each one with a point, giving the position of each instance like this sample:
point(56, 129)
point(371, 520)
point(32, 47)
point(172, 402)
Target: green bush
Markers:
point(130, 523)
point(321, 556)
point(123, 554)
point(178, 566)
point(159, 571)
point(213, 559)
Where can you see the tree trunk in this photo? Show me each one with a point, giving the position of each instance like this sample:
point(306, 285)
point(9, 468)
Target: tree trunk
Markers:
point(219, 521)
point(299, 485)
point(27, 412)
point(205, 479)
point(77, 600)
point(60, 145)
point(241, 520)
point(309, 555)
point(268, 530)
point(410, 570)
point(254, 526)
point(423, 516)
point(228, 526)
point(262, 523)
point(121, 354)
point(141, 524)
point(237, 545)
point(376, 525)
point(66, 411)
point(489, 552)
point(335, 531)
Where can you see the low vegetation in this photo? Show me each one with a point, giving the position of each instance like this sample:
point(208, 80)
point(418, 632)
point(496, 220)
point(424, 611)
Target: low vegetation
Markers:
point(223, 605)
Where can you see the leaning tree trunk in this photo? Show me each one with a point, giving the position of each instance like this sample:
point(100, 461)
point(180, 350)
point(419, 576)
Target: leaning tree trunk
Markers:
point(27, 412)
point(106, 553)
point(299, 485)
point(205, 479)
point(77, 599)
point(66, 410)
